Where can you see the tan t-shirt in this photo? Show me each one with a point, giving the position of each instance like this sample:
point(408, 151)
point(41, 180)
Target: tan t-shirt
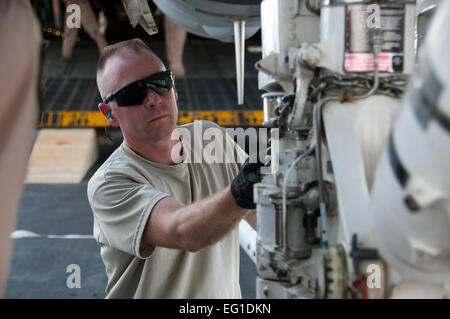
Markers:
point(122, 194)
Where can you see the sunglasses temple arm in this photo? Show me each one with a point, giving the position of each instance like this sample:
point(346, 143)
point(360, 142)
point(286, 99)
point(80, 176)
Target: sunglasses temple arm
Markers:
point(109, 136)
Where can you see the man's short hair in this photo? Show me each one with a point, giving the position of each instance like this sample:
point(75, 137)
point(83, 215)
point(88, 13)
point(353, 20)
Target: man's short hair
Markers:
point(122, 49)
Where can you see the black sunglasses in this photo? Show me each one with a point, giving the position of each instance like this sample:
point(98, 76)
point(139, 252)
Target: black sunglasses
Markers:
point(135, 92)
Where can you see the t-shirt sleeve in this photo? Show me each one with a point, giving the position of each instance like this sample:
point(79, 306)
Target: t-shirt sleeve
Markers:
point(121, 209)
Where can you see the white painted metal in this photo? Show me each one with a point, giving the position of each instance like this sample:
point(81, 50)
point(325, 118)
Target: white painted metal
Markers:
point(414, 239)
point(247, 239)
point(284, 24)
point(356, 134)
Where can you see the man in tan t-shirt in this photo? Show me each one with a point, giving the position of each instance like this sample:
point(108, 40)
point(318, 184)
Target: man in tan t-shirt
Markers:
point(165, 215)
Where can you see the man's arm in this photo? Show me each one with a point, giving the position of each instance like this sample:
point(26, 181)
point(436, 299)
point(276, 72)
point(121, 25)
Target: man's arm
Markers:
point(192, 227)
point(203, 223)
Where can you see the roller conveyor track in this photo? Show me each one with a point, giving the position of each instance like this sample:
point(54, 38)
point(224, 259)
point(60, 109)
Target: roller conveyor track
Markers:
point(207, 92)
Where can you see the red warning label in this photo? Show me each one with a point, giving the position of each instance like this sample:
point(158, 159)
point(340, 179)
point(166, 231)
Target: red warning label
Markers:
point(364, 62)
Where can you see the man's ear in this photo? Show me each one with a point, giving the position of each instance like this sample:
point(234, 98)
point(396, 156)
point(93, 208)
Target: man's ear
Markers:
point(107, 113)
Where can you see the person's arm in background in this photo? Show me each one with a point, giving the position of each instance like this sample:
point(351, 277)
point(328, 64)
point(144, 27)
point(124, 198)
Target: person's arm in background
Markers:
point(57, 13)
point(19, 65)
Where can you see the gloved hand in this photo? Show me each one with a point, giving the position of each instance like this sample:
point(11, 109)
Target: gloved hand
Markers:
point(242, 185)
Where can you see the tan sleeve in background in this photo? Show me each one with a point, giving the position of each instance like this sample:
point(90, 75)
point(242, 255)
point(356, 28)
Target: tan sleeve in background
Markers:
point(19, 64)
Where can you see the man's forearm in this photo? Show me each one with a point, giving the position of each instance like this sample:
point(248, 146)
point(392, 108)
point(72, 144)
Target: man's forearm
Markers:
point(205, 222)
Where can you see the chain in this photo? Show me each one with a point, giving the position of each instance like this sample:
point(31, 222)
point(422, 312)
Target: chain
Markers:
point(392, 86)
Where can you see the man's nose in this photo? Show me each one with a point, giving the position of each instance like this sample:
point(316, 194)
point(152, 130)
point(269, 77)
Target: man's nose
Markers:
point(152, 99)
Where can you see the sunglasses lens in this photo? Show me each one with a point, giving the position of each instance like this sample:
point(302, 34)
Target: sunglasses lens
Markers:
point(160, 90)
point(160, 82)
point(131, 95)
point(135, 93)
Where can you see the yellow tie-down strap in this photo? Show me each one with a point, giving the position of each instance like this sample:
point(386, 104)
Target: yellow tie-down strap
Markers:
point(84, 119)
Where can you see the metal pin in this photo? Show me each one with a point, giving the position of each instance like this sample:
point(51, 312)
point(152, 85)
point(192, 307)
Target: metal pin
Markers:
point(239, 46)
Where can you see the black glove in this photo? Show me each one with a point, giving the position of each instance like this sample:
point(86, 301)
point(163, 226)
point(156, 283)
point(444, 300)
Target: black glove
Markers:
point(242, 185)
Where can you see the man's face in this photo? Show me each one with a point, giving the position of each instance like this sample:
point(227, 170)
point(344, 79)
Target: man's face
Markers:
point(156, 117)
